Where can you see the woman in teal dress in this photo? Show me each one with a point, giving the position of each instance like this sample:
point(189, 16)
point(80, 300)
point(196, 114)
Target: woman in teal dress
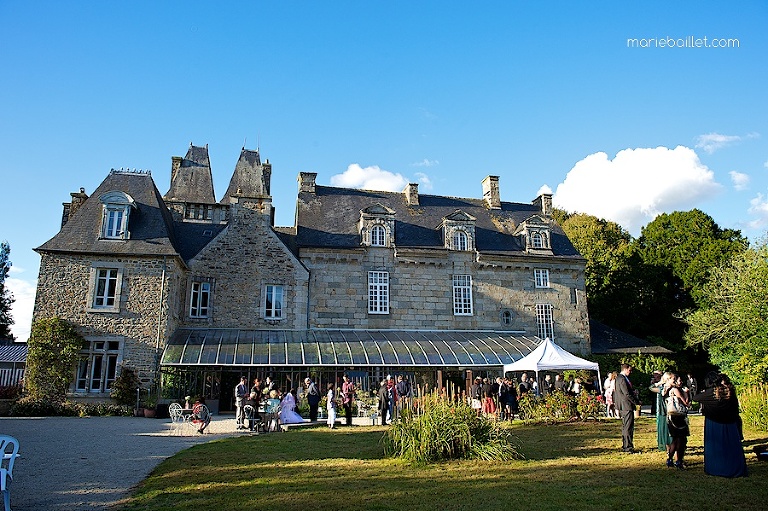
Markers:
point(663, 439)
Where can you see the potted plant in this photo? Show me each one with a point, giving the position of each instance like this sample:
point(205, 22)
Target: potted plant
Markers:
point(149, 405)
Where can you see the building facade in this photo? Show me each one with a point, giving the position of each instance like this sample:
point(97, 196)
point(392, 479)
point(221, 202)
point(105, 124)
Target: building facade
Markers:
point(365, 282)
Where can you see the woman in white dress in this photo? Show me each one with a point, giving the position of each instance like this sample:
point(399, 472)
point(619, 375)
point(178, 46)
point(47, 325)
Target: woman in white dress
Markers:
point(331, 406)
point(288, 413)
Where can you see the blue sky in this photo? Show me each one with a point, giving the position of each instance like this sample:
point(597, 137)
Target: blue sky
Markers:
point(542, 94)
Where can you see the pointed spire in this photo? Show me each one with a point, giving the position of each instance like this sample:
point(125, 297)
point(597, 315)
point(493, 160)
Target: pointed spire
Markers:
point(191, 179)
point(251, 178)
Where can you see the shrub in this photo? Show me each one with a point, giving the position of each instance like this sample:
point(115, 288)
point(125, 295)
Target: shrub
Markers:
point(53, 350)
point(754, 406)
point(124, 387)
point(31, 407)
point(10, 391)
point(444, 430)
point(589, 405)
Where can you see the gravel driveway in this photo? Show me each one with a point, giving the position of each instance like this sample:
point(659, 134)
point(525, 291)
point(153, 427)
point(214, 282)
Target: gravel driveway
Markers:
point(90, 463)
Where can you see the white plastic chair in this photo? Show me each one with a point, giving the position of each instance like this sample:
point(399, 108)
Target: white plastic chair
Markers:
point(9, 447)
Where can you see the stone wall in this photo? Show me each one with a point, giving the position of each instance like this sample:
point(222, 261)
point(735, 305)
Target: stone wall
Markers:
point(142, 320)
point(421, 292)
point(245, 257)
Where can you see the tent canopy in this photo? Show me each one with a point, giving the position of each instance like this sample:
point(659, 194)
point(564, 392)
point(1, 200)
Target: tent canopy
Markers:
point(548, 356)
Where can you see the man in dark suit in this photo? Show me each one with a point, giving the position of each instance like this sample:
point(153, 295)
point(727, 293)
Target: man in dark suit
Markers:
point(625, 400)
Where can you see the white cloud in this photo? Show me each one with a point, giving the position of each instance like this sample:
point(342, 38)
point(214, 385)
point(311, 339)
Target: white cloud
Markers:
point(21, 310)
point(425, 163)
point(740, 180)
point(711, 142)
point(759, 208)
point(424, 180)
point(545, 189)
point(636, 185)
point(375, 178)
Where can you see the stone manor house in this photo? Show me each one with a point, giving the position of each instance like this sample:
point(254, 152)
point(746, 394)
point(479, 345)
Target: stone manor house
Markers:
point(192, 292)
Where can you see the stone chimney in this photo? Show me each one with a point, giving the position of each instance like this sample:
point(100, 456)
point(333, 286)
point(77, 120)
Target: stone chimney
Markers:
point(70, 208)
point(544, 203)
point(307, 181)
point(491, 192)
point(411, 192)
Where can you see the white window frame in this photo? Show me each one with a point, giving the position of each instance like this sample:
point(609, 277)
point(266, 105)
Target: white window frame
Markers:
point(460, 240)
point(116, 210)
point(545, 321)
point(105, 288)
point(378, 292)
point(200, 299)
point(537, 240)
point(462, 295)
point(541, 277)
point(378, 236)
point(274, 301)
point(97, 368)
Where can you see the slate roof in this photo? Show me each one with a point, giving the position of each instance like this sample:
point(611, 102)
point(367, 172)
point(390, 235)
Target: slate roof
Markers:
point(193, 181)
point(606, 339)
point(150, 224)
point(247, 180)
point(329, 218)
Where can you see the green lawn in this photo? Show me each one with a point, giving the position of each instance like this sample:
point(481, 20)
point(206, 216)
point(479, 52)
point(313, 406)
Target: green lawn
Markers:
point(568, 466)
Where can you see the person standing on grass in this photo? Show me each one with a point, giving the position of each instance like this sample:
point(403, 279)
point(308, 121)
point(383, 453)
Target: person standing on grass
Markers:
point(313, 399)
point(677, 423)
point(347, 396)
point(625, 399)
point(723, 453)
point(609, 386)
point(383, 402)
point(661, 388)
point(331, 406)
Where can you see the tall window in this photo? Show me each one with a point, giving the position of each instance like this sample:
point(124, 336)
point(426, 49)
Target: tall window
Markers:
point(378, 236)
point(97, 368)
point(114, 222)
point(462, 295)
point(378, 292)
point(541, 277)
point(459, 240)
point(105, 293)
point(537, 240)
point(200, 299)
point(273, 305)
point(544, 321)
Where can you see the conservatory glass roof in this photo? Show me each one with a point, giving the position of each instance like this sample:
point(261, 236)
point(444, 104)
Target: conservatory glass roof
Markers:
point(440, 348)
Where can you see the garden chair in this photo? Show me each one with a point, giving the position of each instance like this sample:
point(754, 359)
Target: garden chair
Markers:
point(177, 417)
point(9, 447)
point(254, 422)
point(362, 409)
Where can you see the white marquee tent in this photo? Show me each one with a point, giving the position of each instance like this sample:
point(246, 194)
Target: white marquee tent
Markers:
point(548, 356)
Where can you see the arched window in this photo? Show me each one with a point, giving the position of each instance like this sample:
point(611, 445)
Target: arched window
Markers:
point(537, 240)
point(459, 240)
point(378, 236)
point(506, 318)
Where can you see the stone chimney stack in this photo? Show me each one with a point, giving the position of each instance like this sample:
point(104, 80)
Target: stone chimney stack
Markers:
point(70, 208)
point(411, 192)
point(491, 192)
point(307, 181)
point(544, 203)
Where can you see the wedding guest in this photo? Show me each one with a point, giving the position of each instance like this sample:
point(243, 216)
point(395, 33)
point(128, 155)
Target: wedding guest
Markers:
point(313, 398)
point(626, 401)
point(723, 453)
point(663, 440)
point(331, 406)
point(383, 402)
point(347, 397)
point(677, 421)
point(610, 386)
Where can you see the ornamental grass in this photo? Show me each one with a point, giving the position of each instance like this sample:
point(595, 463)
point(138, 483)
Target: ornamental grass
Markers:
point(441, 429)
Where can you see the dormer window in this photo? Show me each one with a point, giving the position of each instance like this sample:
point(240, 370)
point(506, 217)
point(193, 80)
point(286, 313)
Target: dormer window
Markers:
point(535, 233)
point(459, 240)
point(117, 207)
point(377, 226)
point(459, 231)
point(537, 240)
point(378, 236)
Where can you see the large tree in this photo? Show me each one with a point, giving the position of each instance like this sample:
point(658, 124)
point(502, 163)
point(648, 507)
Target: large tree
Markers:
point(732, 324)
point(54, 348)
point(690, 244)
point(6, 298)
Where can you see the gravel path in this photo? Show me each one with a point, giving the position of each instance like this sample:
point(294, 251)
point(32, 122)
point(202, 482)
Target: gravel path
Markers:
point(91, 463)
